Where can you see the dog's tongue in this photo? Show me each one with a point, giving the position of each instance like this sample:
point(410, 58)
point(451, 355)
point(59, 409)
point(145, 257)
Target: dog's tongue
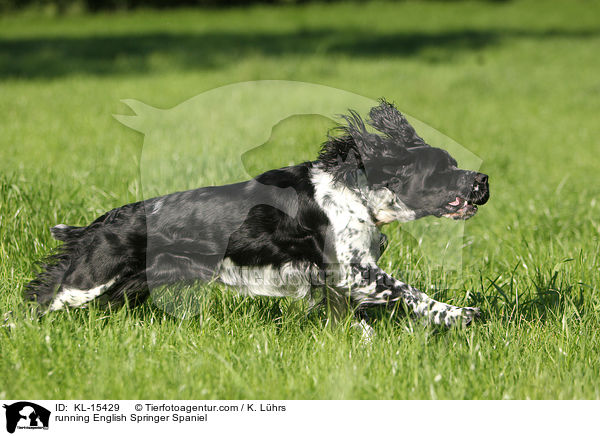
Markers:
point(455, 202)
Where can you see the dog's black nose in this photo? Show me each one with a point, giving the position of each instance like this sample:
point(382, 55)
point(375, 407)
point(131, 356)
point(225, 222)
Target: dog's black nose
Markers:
point(480, 192)
point(481, 178)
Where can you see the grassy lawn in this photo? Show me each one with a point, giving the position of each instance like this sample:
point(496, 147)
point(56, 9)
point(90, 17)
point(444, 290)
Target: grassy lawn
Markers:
point(516, 83)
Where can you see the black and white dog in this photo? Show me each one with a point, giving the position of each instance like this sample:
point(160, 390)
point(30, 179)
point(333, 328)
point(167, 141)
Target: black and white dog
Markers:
point(324, 236)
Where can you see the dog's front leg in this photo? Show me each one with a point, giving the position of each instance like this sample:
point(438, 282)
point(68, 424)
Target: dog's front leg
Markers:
point(373, 286)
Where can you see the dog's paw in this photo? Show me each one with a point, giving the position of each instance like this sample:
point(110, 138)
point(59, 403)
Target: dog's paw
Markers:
point(366, 331)
point(448, 315)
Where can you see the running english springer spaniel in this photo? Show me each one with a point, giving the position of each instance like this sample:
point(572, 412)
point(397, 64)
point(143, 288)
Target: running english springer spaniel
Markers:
point(288, 232)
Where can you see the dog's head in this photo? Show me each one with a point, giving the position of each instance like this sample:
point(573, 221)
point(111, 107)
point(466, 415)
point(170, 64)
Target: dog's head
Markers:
point(400, 173)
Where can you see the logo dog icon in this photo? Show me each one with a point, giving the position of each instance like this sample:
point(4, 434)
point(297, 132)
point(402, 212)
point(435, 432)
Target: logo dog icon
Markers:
point(26, 415)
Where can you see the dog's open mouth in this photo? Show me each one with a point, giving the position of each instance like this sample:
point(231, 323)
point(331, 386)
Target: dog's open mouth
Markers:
point(460, 209)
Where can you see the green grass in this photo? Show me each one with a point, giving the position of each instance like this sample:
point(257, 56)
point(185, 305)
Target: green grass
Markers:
point(515, 82)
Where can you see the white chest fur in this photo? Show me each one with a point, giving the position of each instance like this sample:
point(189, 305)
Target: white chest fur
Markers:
point(354, 215)
point(353, 235)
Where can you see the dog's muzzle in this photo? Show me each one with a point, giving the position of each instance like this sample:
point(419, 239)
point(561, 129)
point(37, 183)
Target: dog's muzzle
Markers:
point(462, 208)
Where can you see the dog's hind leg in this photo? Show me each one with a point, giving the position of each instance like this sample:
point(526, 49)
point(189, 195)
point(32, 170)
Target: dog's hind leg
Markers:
point(378, 287)
point(71, 281)
point(131, 289)
point(106, 257)
point(72, 297)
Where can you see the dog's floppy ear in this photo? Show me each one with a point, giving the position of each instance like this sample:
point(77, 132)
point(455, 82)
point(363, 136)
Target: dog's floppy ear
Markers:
point(387, 119)
point(350, 146)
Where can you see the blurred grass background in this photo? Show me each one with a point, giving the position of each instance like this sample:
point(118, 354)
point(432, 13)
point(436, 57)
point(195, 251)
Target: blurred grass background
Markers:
point(516, 83)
